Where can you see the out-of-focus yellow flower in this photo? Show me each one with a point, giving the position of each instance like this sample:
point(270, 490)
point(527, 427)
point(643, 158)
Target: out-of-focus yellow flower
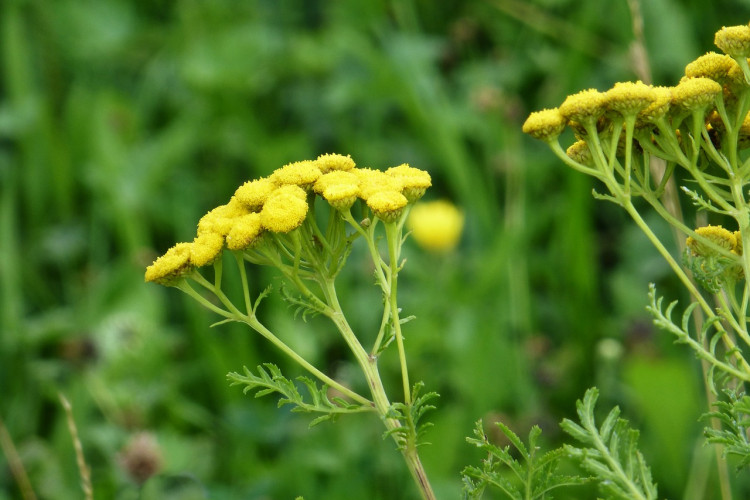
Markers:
point(436, 225)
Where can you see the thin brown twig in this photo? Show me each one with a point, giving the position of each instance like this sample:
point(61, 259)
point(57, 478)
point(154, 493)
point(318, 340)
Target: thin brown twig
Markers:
point(88, 491)
point(15, 463)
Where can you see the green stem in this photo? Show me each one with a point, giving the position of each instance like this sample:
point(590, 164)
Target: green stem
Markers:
point(393, 236)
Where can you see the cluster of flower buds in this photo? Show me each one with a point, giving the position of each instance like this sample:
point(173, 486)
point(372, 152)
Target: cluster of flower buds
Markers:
point(656, 117)
point(281, 203)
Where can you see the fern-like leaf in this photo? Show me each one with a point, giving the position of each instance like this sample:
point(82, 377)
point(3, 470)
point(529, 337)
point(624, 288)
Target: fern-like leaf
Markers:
point(734, 416)
point(408, 435)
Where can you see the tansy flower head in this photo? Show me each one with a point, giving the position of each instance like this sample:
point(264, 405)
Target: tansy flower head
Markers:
point(245, 232)
point(717, 67)
point(695, 93)
point(329, 162)
point(335, 177)
point(300, 173)
point(387, 205)
point(170, 267)
point(545, 125)
point(579, 152)
point(585, 106)
point(414, 181)
point(285, 210)
point(206, 248)
point(374, 181)
point(629, 98)
point(341, 196)
point(253, 194)
point(662, 98)
point(716, 235)
point(219, 220)
point(734, 40)
point(436, 225)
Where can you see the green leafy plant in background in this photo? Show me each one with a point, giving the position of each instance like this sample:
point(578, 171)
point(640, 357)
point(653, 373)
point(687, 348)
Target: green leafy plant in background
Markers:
point(632, 139)
point(300, 221)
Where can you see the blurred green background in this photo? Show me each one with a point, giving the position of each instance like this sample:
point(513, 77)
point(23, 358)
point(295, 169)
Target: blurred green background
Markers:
point(122, 122)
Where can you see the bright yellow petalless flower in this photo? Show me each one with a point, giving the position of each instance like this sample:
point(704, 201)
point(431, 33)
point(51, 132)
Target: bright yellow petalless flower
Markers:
point(219, 220)
point(579, 152)
point(658, 107)
point(167, 269)
point(206, 248)
point(414, 181)
point(245, 231)
point(629, 98)
point(387, 205)
point(330, 162)
point(374, 181)
point(695, 93)
point(333, 178)
point(285, 210)
point(584, 107)
point(716, 235)
point(717, 67)
point(253, 194)
point(300, 173)
point(436, 225)
point(545, 125)
point(734, 40)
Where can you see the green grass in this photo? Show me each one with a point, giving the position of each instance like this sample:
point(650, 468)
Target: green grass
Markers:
point(122, 122)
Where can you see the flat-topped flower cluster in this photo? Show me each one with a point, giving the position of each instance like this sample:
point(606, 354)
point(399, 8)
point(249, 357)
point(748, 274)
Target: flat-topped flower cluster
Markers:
point(281, 202)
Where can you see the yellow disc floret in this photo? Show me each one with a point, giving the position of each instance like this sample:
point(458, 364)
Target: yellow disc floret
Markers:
point(253, 194)
point(717, 67)
point(414, 181)
point(584, 107)
point(206, 248)
point(219, 220)
point(579, 152)
point(170, 267)
point(330, 162)
point(300, 173)
point(387, 205)
point(734, 40)
point(545, 125)
point(695, 93)
point(373, 181)
point(285, 210)
point(658, 107)
point(436, 225)
point(629, 98)
point(717, 235)
point(245, 232)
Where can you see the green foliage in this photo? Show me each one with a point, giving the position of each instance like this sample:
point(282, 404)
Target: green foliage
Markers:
point(534, 477)
point(270, 380)
point(409, 433)
point(734, 418)
point(610, 452)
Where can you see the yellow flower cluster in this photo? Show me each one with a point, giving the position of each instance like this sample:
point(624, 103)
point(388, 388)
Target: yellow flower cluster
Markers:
point(280, 203)
point(717, 235)
point(710, 77)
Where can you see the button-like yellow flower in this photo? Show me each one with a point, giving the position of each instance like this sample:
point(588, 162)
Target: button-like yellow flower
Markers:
point(254, 193)
point(715, 234)
point(544, 125)
point(167, 269)
point(285, 210)
point(387, 205)
point(300, 173)
point(629, 98)
point(245, 232)
point(436, 225)
point(717, 67)
point(695, 93)
point(219, 220)
point(373, 181)
point(206, 248)
point(330, 162)
point(579, 152)
point(414, 181)
point(658, 107)
point(734, 40)
point(584, 107)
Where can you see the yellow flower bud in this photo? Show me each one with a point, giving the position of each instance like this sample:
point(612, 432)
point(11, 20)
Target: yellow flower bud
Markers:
point(695, 93)
point(330, 162)
point(436, 225)
point(245, 232)
point(206, 248)
point(545, 125)
point(253, 194)
point(170, 267)
point(586, 106)
point(387, 205)
point(414, 181)
point(300, 173)
point(579, 152)
point(734, 40)
point(285, 210)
